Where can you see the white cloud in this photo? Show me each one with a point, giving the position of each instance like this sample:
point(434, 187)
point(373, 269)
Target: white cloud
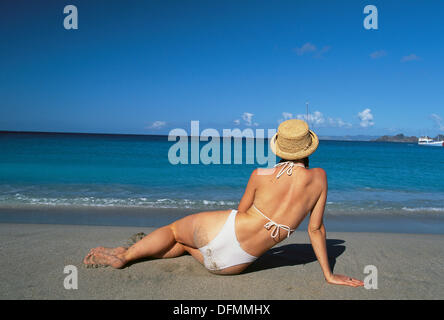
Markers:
point(338, 122)
point(438, 121)
point(316, 118)
point(320, 53)
point(285, 116)
point(309, 48)
point(306, 48)
point(157, 125)
point(366, 118)
point(410, 57)
point(378, 54)
point(247, 120)
point(247, 117)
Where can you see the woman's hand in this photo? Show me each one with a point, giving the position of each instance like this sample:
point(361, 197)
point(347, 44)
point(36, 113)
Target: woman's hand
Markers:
point(344, 280)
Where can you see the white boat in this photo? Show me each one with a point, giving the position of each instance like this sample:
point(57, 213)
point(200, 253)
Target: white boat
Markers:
point(426, 141)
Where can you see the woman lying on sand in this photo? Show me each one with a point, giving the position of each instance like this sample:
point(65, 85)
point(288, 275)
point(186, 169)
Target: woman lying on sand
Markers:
point(275, 202)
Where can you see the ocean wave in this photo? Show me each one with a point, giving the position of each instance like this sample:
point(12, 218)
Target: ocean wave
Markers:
point(19, 199)
point(357, 207)
point(423, 209)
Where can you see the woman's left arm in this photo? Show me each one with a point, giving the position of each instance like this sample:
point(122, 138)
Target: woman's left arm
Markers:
point(317, 234)
point(248, 197)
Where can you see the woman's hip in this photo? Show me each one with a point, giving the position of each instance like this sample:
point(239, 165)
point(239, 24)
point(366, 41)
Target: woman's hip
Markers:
point(197, 230)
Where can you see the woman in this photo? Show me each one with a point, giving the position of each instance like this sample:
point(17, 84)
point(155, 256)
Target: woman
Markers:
point(275, 202)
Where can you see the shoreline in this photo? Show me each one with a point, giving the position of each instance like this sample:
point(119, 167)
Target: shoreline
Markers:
point(409, 267)
point(409, 223)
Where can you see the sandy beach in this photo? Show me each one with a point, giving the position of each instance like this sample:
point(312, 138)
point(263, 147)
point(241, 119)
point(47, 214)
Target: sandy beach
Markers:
point(33, 257)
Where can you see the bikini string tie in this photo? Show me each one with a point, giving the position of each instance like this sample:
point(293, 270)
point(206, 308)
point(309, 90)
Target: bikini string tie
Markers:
point(277, 226)
point(272, 224)
point(286, 166)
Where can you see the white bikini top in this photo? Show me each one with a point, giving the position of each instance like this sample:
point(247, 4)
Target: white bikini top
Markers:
point(287, 166)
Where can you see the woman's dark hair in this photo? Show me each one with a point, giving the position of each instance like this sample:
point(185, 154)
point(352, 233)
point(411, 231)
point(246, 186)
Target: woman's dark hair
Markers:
point(304, 161)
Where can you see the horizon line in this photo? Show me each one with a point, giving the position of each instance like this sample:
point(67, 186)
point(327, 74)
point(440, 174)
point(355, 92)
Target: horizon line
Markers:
point(154, 135)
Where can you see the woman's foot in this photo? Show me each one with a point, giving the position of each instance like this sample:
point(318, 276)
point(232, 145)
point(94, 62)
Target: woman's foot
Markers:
point(109, 251)
point(102, 259)
point(89, 261)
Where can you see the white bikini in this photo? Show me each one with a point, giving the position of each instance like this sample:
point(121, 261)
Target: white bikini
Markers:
point(225, 251)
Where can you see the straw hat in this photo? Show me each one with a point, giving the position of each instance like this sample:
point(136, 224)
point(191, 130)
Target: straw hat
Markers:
point(294, 140)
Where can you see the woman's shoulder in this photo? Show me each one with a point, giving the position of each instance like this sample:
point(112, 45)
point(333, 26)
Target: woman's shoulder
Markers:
point(263, 171)
point(319, 171)
point(320, 176)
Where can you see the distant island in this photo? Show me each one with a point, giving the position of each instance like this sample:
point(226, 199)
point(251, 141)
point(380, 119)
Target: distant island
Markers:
point(348, 138)
point(402, 138)
point(398, 138)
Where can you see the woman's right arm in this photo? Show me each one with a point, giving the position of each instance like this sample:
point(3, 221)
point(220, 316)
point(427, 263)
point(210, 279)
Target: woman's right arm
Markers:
point(317, 234)
point(248, 197)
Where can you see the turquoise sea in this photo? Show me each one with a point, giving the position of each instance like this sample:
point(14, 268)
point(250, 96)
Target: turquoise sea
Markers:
point(49, 170)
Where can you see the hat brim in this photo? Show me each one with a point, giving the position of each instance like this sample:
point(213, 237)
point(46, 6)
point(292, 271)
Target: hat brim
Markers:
point(296, 155)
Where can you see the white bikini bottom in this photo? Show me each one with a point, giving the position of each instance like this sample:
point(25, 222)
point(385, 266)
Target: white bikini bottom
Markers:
point(224, 250)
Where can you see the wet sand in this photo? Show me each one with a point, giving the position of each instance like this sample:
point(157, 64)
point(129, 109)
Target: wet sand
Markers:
point(33, 257)
point(421, 222)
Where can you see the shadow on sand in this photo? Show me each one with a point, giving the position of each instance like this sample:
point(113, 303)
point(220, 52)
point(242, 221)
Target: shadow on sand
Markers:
point(295, 254)
point(286, 255)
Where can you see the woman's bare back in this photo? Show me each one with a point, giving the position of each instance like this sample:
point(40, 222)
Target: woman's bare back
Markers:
point(286, 200)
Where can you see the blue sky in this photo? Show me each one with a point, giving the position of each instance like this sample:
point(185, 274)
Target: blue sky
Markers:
point(150, 66)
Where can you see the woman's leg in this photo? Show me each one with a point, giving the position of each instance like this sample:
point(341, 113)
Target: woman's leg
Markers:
point(183, 235)
point(160, 243)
